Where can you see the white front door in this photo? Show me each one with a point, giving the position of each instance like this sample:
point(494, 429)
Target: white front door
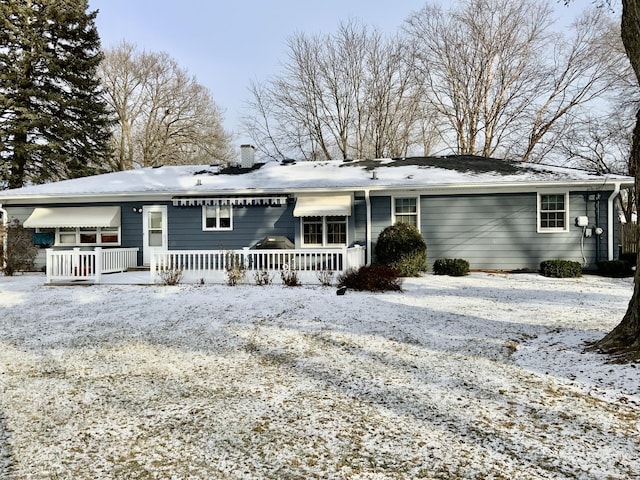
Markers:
point(154, 227)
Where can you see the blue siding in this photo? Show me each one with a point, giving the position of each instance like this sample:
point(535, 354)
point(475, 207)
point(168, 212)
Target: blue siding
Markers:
point(493, 231)
point(499, 231)
point(250, 225)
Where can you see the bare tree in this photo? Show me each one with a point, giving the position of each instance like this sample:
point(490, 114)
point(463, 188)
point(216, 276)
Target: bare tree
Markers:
point(342, 95)
point(476, 63)
point(164, 115)
point(501, 78)
point(582, 69)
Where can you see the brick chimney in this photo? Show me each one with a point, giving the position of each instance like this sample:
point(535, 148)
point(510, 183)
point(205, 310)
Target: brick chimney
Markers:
point(247, 156)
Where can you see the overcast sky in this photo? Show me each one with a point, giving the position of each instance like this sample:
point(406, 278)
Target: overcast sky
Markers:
point(226, 44)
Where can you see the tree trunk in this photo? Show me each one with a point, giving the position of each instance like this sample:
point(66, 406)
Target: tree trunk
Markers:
point(19, 160)
point(623, 342)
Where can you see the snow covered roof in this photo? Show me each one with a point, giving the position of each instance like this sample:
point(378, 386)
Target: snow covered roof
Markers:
point(423, 173)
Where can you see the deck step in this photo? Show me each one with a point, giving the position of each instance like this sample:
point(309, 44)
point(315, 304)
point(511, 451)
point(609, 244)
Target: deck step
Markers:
point(141, 268)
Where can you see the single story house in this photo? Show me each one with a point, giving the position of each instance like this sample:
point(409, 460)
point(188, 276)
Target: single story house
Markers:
point(496, 214)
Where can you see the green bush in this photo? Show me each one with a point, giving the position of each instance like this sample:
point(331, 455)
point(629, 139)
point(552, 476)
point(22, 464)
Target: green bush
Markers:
point(374, 278)
point(455, 267)
point(560, 269)
point(615, 268)
point(402, 248)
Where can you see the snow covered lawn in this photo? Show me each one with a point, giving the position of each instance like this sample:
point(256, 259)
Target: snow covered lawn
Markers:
point(476, 377)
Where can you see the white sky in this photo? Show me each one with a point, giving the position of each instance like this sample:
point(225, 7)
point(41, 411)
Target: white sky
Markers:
point(228, 44)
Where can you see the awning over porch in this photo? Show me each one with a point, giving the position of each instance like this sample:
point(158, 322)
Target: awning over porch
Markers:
point(323, 205)
point(235, 201)
point(74, 217)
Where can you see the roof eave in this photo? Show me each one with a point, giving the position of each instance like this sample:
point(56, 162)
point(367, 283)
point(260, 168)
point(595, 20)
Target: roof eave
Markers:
point(484, 187)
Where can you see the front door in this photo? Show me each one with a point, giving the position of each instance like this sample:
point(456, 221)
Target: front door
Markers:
point(154, 226)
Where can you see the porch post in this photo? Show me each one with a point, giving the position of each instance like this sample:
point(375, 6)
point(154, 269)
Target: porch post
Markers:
point(152, 267)
point(98, 264)
point(49, 264)
point(75, 262)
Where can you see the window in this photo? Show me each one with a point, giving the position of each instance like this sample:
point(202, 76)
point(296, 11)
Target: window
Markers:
point(405, 210)
point(84, 235)
point(217, 217)
point(312, 230)
point(336, 230)
point(324, 231)
point(553, 212)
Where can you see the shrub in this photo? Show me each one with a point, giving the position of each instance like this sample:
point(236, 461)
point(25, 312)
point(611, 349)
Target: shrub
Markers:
point(20, 250)
point(374, 278)
point(560, 269)
point(170, 275)
point(234, 268)
point(615, 268)
point(262, 277)
point(325, 277)
point(289, 276)
point(455, 267)
point(235, 274)
point(402, 248)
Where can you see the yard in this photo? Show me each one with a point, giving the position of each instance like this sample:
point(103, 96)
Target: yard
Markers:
point(475, 377)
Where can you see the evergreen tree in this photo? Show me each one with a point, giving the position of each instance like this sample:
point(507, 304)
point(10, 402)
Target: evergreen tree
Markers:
point(54, 123)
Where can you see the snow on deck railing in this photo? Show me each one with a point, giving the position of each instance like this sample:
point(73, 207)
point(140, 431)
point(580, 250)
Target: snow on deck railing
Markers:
point(77, 264)
point(212, 265)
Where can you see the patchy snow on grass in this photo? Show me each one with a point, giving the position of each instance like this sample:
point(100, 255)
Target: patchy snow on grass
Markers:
point(482, 376)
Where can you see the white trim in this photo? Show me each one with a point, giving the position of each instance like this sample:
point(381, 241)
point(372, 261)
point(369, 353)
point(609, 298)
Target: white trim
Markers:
point(610, 219)
point(217, 217)
point(393, 208)
point(539, 228)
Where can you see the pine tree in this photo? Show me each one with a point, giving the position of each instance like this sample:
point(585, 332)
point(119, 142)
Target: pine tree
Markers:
point(54, 123)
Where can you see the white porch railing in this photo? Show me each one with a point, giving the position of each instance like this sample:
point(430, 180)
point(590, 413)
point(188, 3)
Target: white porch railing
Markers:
point(211, 265)
point(77, 264)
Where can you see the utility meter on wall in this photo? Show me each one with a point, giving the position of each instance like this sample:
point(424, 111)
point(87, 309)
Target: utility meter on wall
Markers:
point(582, 221)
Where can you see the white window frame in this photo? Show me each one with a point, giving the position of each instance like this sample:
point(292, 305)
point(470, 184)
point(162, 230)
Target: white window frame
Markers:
point(540, 228)
point(325, 243)
point(394, 212)
point(217, 208)
point(77, 231)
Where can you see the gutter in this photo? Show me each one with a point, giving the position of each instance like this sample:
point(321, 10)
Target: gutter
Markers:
point(610, 224)
point(5, 234)
point(367, 199)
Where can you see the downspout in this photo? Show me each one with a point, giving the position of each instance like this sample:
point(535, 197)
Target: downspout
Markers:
point(5, 233)
point(610, 224)
point(367, 199)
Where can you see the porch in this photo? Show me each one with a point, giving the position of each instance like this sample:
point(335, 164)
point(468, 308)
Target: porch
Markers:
point(90, 265)
point(210, 266)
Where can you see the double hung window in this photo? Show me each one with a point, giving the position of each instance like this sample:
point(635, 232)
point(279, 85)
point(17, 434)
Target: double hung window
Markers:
point(217, 217)
point(405, 210)
point(553, 212)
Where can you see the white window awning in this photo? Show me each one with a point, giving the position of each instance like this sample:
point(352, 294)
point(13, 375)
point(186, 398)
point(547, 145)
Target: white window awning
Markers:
point(323, 206)
point(74, 217)
point(235, 201)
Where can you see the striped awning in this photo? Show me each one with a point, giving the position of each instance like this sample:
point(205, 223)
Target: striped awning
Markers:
point(234, 201)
